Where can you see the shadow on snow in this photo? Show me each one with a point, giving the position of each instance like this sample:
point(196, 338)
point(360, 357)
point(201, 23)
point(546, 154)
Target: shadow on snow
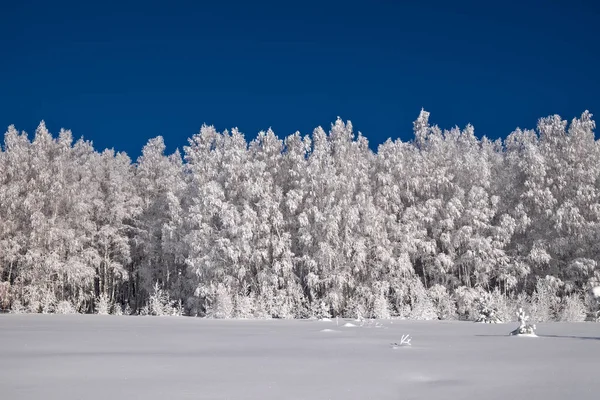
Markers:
point(551, 336)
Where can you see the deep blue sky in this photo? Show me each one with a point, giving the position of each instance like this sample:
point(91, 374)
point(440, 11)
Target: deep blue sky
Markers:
point(120, 73)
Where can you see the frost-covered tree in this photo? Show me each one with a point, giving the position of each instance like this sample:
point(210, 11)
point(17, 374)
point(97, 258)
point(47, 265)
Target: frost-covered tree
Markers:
point(158, 249)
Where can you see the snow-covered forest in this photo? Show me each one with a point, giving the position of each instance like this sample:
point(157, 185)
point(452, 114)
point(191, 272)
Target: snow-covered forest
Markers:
point(308, 226)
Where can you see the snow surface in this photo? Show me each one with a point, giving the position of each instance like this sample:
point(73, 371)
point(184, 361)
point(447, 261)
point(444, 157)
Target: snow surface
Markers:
point(106, 357)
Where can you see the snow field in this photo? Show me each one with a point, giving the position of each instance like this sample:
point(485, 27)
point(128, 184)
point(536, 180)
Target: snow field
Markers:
point(100, 357)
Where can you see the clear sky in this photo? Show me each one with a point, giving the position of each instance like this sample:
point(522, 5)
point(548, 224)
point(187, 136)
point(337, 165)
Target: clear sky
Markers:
point(121, 72)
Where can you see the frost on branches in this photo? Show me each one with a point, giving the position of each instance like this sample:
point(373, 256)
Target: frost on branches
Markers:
point(310, 225)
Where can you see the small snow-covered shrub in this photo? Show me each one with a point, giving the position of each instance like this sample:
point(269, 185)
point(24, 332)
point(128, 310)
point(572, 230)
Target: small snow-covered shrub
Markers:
point(302, 309)
point(319, 310)
point(545, 302)
point(159, 303)
point(178, 310)
point(354, 309)
point(262, 307)
point(243, 306)
point(266, 302)
point(222, 305)
point(65, 307)
point(506, 306)
point(334, 300)
point(117, 309)
point(17, 307)
point(33, 306)
point(510, 309)
point(496, 307)
point(4, 296)
point(80, 302)
point(423, 309)
point(102, 304)
point(296, 302)
point(47, 302)
point(357, 303)
point(592, 302)
point(525, 328)
point(593, 305)
point(445, 307)
point(466, 302)
point(283, 306)
point(195, 305)
point(488, 311)
point(380, 307)
point(573, 309)
point(421, 305)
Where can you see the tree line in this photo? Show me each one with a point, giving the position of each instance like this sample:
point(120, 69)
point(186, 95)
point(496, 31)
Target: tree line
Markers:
point(312, 225)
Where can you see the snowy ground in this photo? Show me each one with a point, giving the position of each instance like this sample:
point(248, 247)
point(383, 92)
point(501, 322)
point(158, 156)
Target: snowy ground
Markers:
point(105, 357)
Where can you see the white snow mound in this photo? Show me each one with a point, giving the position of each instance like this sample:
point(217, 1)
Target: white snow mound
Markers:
point(526, 335)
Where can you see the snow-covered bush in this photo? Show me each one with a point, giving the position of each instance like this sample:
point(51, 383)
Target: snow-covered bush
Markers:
point(102, 304)
point(572, 309)
point(357, 303)
point(33, 306)
point(466, 302)
point(262, 308)
point(545, 301)
point(592, 302)
point(421, 305)
point(65, 307)
point(159, 303)
point(444, 305)
point(283, 306)
point(510, 308)
point(334, 300)
point(17, 307)
point(33, 298)
point(221, 305)
point(297, 300)
point(488, 311)
point(117, 309)
point(178, 309)
point(47, 302)
point(525, 328)
point(380, 306)
point(243, 306)
point(410, 299)
point(264, 303)
point(320, 309)
point(4, 296)
point(507, 306)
